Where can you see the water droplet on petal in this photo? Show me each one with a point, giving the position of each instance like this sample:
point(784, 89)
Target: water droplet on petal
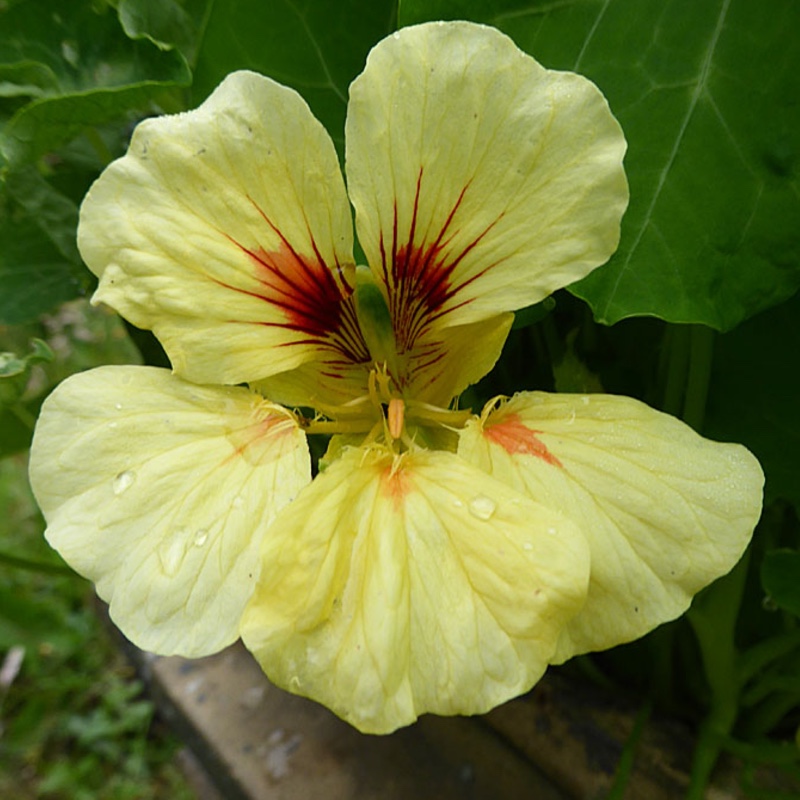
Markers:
point(458, 504)
point(201, 537)
point(237, 502)
point(585, 400)
point(552, 531)
point(172, 551)
point(571, 417)
point(118, 406)
point(527, 546)
point(482, 507)
point(123, 482)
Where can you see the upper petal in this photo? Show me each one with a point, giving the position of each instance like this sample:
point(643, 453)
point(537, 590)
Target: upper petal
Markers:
point(481, 181)
point(227, 231)
point(400, 585)
point(665, 511)
point(160, 492)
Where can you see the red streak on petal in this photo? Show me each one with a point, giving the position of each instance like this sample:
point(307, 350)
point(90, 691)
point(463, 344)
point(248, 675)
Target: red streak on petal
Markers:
point(300, 287)
point(420, 274)
point(311, 300)
point(515, 438)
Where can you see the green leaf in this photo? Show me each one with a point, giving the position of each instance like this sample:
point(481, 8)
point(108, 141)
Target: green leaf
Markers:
point(707, 95)
point(754, 394)
point(52, 212)
point(780, 577)
point(26, 79)
point(12, 365)
point(98, 72)
point(34, 273)
point(315, 46)
point(166, 23)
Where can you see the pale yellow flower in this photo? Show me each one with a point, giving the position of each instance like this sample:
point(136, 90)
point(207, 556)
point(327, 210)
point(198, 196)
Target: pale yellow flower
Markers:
point(441, 560)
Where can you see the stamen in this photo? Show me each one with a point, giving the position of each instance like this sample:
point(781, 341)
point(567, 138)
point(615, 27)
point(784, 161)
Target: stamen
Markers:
point(396, 416)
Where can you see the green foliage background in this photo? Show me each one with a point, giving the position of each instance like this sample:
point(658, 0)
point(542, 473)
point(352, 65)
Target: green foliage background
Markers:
point(697, 312)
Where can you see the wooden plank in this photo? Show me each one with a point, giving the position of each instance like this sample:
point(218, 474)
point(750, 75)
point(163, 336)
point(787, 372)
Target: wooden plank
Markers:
point(260, 743)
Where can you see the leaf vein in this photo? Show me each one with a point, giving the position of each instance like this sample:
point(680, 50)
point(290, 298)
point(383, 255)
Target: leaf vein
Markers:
point(699, 90)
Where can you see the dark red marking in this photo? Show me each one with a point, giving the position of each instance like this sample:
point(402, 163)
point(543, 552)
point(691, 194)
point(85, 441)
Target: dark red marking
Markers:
point(420, 275)
point(515, 438)
point(313, 296)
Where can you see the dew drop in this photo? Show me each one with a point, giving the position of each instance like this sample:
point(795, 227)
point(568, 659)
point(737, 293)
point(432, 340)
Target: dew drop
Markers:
point(237, 502)
point(527, 546)
point(118, 406)
point(294, 684)
point(585, 400)
point(201, 537)
point(571, 417)
point(458, 504)
point(171, 552)
point(552, 531)
point(123, 482)
point(482, 507)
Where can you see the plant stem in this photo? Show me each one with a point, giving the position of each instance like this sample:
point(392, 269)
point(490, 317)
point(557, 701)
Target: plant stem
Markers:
point(713, 617)
point(701, 354)
point(627, 759)
point(676, 362)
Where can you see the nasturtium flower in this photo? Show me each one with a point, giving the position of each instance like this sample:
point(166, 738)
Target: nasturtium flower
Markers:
point(440, 560)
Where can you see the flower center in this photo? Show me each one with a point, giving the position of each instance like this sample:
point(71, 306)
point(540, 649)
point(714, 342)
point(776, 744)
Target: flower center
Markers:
point(385, 415)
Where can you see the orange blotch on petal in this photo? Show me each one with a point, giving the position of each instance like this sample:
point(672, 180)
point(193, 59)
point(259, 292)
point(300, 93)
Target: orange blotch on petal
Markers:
point(395, 482)
point(515, 438)
point(264, 440)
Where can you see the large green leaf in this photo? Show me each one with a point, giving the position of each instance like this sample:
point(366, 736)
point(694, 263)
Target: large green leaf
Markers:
point(707, 93)
point(755, 394)
point(79, 69)
point(314, 46)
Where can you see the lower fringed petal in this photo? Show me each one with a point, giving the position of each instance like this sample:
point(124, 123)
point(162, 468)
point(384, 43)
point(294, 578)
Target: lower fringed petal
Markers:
point(161, 492)
point(666, 512)
point(401, 585)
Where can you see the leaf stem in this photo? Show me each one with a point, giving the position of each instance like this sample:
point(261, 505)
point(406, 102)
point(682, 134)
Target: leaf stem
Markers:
point(628, 757)
point(676, 364)
point(701, 354)
point(713, 617)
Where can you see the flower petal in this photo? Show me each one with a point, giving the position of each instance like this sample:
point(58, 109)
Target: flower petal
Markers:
point(444, 363)
point(227, 231)
point(160, 492)
point(400, 585)
point(481, 181)
point(665, 511)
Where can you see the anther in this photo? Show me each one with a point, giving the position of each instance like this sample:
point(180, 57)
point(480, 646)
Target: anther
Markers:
point(396, 417)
